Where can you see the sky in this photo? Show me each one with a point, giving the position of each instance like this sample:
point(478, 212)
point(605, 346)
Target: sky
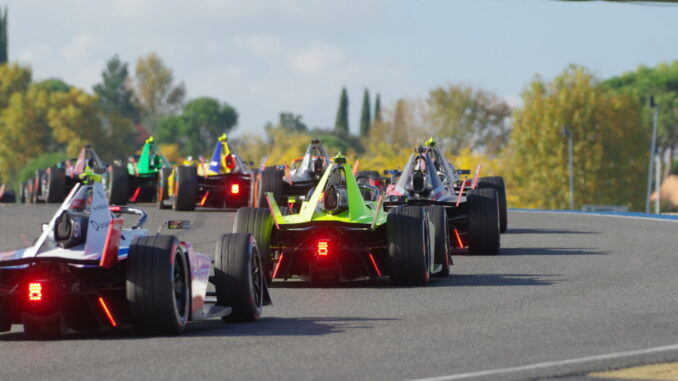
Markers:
point(265, 57)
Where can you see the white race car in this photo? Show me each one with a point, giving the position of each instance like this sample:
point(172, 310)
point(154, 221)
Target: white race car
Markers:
point(86, 273)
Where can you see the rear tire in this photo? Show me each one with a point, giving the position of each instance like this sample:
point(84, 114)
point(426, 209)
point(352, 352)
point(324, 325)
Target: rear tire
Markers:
point(483, 221)
point(441, 253)
point(259, 222)
point(163, 175)
point(37, 193)
point(118, 185)
point(497, 183)
point(271, 180)
point(24, 192)
point(238, 276)
point(56, 185)
point(407, 241)
point(9, 196)
point(185, 188)
point(158, 285)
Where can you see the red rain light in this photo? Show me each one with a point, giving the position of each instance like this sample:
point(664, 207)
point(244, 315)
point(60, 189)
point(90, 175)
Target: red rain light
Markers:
point(456, 234)
point(107, 312)
point(374, 263)
point(277, 266)
point(136, 194)
point(35, 292)
point(204, 198)
point(323, 248)
point(235, 188)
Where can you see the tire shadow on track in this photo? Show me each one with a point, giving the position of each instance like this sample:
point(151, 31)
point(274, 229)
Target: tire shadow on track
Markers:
point(546, 251)
point(497, 280)
point(547, 231)
point(266, 326)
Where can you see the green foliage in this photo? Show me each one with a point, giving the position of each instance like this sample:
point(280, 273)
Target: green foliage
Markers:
point(662, 83)
point(377, 108)
point(365, 117)
point(463, 116)
point(13, 78)
point(202, 121)
point(292, 122)
point(341, 124)
point(608, 161)
point(115, 93)
point(52, 85)
point(4, 40)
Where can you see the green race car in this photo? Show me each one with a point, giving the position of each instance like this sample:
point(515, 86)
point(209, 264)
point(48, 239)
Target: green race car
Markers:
point(138, 180)
point(343, 233)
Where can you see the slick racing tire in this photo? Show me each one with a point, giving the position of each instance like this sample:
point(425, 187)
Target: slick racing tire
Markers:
point(118, 185)
point(497, 183)
point(55, 189)
point(185, 188)
point(162, 196)
point(158, 286)
point(29, 191)
point(238, 277)
point(259, 222)
point(270, 180)
point(483, 221)
point(408, 245)
point(441, 254)
point(38, 191)
point(9, 196)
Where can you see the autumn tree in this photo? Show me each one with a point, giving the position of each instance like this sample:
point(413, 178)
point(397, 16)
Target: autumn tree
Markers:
point(13, 78)
point(341, 123)
point(155, 89)
point(605, 128)
point(463, 116)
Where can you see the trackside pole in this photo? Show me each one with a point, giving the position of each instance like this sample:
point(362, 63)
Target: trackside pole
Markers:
point(653, 147)
point(657, 182)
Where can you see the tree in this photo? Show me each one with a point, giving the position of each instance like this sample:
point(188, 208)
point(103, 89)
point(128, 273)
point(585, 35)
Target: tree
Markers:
point(201, 122)
point(660, 82)
point(365, 117)
point(74, 118)
point(377, 109)
point(4, 44)
point(51, 85)
point(155, 87)
point(13, 78)
point(115, 93)
point(607, 157)
point(341, 124)
point(292, 122)
point(466, 117)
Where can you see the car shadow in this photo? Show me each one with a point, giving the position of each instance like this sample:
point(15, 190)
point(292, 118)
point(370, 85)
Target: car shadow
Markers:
point(266, 326)
point(499, 280)
point(547, 231)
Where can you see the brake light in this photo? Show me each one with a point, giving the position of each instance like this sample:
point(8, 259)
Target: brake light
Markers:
point(235, 188)
point(323, 248)
point(35, 292)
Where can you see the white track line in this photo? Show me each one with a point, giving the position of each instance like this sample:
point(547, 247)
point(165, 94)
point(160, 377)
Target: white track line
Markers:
point(596, 214)
point(550, 364)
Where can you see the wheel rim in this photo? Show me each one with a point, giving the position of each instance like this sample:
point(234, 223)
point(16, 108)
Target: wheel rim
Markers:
point(256, 277)
point(180, 287)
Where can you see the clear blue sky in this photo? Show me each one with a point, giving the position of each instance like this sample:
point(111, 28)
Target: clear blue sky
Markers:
point(264, 57)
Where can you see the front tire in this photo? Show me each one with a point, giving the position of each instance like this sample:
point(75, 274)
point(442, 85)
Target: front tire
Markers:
point(163, 176)
point(408, 246)
point(158, 285)
point(441, 252)
point(271, 180)
point(56, 185)
point(238, 276)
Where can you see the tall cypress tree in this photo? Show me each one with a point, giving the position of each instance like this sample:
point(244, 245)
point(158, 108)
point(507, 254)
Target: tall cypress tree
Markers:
point(377, 109)
point(365, 117)
point(341, 123)
point(4, 57)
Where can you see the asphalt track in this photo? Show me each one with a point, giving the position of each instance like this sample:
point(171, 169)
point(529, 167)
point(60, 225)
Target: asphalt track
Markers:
point(570, 294)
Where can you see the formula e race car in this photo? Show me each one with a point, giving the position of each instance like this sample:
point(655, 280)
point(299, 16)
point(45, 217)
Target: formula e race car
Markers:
point(138, 180)
point(225, 183)
point(343, 233)
point(87, 273)
point(7, 194)
point(471, 213)
point(52, 184)
point(287, 184)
